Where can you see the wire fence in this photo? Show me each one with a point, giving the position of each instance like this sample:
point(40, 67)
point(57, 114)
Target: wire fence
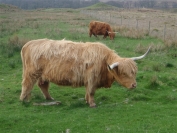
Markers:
point(163, 28)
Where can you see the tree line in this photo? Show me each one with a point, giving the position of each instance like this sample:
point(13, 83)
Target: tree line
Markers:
point(144, 3)
point(34, 4)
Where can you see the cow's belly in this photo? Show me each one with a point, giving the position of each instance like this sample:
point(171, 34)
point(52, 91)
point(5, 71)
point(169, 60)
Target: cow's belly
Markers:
point(66, 82)
point(69, 83)
point(100, 33)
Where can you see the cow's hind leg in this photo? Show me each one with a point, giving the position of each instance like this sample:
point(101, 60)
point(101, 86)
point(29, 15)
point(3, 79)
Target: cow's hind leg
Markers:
point(90, 33)
point(95, 35)
point(27, 86)
point(44, 86)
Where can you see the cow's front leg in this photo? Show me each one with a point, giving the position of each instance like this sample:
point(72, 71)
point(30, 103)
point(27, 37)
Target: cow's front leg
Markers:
point(44, 86)
point(91, 100)
point(89, 97)
point(86, 97)
point(104, 36)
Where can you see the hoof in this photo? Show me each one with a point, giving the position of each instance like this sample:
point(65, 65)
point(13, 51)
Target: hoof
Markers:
point(24, 98)
point(93, 105)
point(49, 98)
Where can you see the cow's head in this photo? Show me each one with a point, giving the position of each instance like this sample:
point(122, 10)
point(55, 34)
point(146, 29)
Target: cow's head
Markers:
point(124, 71)
point(111, 35)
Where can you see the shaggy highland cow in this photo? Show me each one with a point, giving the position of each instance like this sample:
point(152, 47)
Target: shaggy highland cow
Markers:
point(90, 64)
point(100, 28)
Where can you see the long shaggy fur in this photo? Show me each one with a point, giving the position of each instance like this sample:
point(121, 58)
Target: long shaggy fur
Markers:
point(100, 28)
point(61, 61)
point(65, 62)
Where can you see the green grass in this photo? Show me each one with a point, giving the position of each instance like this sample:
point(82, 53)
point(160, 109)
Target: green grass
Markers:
point(101, 6)
point(150, 108)
point(107, 118)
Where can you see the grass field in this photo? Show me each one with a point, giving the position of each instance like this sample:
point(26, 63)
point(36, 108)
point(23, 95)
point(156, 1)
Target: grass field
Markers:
point(150, 108)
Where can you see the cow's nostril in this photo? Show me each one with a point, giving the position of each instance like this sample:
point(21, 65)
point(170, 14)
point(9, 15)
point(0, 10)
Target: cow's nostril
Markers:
point(134, 85)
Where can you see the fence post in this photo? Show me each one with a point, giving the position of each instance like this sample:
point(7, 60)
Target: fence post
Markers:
point(121, 20)
point(164, 32)
point(149, 27)
point(110, 17)
point(136, 23)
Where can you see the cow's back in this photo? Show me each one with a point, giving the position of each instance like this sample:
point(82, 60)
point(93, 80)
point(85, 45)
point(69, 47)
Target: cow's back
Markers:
point(65, 62)
point(99, 28)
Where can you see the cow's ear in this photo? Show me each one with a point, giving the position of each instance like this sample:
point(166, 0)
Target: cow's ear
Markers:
point(109, 68)
point(113, 65)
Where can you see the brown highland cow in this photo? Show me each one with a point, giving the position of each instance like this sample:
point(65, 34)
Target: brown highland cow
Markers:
point(101, 28)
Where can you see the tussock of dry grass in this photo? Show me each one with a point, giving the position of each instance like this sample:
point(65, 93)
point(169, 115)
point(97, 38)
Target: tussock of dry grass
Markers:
point(154, 82)
point(16, 41)
point(170, 42)
point(141, 48)
point(157, 47)
point(131, 32)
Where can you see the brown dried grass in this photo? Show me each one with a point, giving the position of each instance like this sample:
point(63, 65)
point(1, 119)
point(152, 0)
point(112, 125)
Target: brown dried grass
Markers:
point(131, 32)
point(16, 41)
point(170, 42)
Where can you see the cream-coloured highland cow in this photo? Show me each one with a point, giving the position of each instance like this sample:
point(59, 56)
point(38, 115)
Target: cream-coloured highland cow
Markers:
point(68, 63)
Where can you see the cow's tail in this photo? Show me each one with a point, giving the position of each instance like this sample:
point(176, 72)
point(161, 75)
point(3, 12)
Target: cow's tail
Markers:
point(23, 61)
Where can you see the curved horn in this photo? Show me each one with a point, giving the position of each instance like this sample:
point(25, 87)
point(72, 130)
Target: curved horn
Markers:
point(113, 65)
point(108, 31)
point(140, 57)
point(112, 32)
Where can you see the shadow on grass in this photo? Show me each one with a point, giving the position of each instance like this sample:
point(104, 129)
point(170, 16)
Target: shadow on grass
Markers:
point(26, 104)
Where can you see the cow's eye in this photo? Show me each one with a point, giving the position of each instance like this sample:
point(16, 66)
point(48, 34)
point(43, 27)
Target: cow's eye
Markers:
point(124, 74)
point(132, 72)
